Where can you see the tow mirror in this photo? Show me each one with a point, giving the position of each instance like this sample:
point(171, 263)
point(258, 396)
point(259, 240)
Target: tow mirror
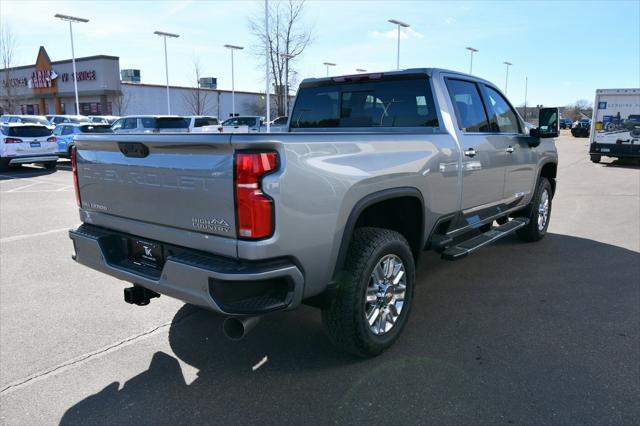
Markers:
point(548, 123)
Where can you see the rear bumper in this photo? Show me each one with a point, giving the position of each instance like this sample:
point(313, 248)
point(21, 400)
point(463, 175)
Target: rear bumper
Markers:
point(615, 150)
point(223, 285)
point(44, 158)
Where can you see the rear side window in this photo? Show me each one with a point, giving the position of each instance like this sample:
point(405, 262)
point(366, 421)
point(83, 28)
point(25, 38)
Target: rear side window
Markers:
point(501, 112)
point(28, 131)
point(468, 104)
point(401, 102)
point(240, 121)
point(165, 123)
point(92, 128)
point(67, 130)
point(200, 122)
point(130, 123)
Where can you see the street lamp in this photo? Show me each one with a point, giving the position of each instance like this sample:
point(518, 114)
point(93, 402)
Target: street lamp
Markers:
point(360, 70)
point(286, 82)
point(71, 20)
point(233, 85)
point(166, 65)
point(399, 24)
point(328, 64)
point(506, 79)
point(472, 50)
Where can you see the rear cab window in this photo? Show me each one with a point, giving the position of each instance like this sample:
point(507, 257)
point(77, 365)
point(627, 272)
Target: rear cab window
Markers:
point(383, 102)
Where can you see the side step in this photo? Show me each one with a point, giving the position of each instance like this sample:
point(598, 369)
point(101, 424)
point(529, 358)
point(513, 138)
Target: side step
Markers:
point(463, 248)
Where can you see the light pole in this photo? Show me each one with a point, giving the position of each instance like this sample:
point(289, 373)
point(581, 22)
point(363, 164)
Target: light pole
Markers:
point(166, 64)
point(360, 70)
point(506, 79)
point(472, 50)
point(71, 20)
point(399, 24)
point(526, 83)
point(233, 85)
point(286, 82)
point(267, 57)
point(328, 64)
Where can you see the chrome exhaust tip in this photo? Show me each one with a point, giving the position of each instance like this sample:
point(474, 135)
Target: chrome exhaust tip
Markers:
point(235, 328)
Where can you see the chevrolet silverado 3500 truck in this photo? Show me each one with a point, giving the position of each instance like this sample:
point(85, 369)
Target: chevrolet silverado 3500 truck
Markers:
point(334, 212)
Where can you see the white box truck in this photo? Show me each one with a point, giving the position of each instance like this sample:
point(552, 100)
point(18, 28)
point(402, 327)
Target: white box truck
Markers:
point(615, 130)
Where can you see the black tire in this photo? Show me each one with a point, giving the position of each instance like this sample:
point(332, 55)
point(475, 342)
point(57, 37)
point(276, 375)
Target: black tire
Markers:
point(345, 318)
point(4, 164)
point(51, 165)
point(533, 231)
point(595, 158)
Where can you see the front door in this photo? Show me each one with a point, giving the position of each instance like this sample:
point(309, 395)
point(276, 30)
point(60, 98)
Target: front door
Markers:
point(484, 156)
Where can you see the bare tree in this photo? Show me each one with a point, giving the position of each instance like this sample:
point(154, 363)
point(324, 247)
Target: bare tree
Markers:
point(196, 99)
point(580, 109)
point(257, 106)
point(7, 58)
point(121, 102)
point(287, 39)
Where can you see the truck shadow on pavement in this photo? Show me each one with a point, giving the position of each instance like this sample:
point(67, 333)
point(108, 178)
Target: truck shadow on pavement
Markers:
point(524, 333)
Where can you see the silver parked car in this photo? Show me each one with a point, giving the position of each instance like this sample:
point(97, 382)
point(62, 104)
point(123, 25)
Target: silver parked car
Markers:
point(151, 124)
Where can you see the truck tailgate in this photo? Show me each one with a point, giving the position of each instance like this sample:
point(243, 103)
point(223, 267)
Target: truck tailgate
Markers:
point(182, 181)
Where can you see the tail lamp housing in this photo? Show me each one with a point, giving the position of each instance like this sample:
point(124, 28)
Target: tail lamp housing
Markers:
point(12, 140)
point(74, 170)
point(254, 209)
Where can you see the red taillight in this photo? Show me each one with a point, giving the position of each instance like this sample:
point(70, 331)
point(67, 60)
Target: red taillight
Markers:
point(254, 208)
point(12, 140)
point(74, 170)
point(51, 139)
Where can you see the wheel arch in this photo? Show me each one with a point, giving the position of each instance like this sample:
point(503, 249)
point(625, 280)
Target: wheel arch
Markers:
point(365, 213)
point(549, 170)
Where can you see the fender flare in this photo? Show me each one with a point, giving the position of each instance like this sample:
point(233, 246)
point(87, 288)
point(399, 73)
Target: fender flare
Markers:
point(361, 205)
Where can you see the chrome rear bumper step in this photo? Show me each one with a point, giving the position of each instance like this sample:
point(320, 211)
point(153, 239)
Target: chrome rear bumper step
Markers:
point(463, 248)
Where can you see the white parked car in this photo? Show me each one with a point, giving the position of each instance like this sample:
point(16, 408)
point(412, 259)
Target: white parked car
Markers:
point(242, 124)
point(25, 143)
point(35, 119)
point(57, 119)
point(198, 122)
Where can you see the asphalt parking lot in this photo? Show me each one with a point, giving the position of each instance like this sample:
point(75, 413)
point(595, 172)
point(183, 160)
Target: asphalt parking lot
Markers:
point(545, 333)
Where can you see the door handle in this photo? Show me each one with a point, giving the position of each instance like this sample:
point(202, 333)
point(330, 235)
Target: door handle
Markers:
point(470, 152)
point(510, 150)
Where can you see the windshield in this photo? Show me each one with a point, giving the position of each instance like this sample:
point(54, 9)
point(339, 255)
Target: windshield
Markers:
point(27, 131)
point(37, 120)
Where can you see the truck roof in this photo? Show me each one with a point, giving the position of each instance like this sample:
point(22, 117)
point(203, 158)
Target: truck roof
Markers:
point(430, 72)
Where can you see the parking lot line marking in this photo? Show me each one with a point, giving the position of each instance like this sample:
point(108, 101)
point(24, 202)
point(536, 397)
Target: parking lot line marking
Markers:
point(23, 187)
point(37, 234)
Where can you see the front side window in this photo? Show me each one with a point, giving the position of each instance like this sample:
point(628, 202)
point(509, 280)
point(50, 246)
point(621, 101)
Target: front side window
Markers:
point(117, 125)
point(501, 113)
point(394, 102)
point(468, 105)
point(130, 123)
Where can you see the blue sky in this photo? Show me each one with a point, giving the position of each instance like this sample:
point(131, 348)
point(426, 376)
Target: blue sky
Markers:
point(566, 48)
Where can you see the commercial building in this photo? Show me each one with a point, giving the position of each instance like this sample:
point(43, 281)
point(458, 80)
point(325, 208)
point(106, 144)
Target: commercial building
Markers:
point(47, 88)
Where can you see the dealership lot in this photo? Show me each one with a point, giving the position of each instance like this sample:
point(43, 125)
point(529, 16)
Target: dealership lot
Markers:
point(516, 333)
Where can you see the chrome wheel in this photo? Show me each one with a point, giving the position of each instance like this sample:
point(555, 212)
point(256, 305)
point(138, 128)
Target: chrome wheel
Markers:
point(385, 294)
point(543, 210)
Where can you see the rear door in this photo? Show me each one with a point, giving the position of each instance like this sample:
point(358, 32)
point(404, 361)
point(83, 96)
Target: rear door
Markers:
point(178, 181)
point(508, 134)
point(484, 156)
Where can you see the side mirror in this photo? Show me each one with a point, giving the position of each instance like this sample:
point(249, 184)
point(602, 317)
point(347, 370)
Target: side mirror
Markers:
point(548, 123)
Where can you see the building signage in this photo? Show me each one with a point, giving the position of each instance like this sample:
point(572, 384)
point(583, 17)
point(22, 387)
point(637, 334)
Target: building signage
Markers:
point(80, 75)
point(15, 82)
point(42, 79)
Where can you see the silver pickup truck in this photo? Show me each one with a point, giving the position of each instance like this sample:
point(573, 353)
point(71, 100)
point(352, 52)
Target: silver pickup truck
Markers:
point(333, 213)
